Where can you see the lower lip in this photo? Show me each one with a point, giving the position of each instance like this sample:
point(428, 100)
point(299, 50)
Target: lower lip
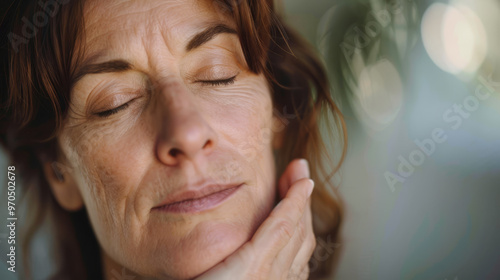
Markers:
point(199, 204)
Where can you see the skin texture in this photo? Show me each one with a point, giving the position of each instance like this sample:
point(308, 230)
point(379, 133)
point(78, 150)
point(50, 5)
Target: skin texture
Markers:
point(175, 131)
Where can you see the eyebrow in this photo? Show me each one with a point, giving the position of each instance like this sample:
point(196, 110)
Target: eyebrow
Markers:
point(120, 65)
point(207, 35)
point(117, 65)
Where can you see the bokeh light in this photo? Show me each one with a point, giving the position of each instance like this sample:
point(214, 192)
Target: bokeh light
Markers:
point(454, 37)
point(379, 94)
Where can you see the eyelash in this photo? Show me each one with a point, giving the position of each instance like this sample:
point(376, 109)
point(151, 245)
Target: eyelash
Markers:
point(108, 113)
point(222, 82)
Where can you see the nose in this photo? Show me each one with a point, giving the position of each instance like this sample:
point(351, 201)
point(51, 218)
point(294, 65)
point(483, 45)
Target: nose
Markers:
point(184, 132)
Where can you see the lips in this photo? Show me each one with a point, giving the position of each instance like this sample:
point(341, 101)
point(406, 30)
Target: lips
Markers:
point(197, 199)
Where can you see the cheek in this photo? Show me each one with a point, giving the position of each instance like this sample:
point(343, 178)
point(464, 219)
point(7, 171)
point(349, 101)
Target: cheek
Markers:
point(104, 151)
point(105, 173)
point(242, 114)
point(244, 117)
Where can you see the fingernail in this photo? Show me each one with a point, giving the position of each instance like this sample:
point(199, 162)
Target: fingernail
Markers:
point(311, 188)
point(305, 163)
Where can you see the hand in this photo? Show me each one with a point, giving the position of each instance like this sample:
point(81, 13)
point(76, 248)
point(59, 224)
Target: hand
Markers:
point(283, 244)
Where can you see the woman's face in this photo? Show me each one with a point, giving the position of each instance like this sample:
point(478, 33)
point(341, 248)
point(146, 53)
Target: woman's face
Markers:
point(167, 110)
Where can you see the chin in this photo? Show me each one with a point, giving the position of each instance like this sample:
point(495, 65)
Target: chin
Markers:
point(205, 241)
point(203, 250)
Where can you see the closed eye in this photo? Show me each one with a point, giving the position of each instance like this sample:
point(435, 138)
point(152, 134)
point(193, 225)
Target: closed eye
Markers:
point(219, 82)
point(107, 113)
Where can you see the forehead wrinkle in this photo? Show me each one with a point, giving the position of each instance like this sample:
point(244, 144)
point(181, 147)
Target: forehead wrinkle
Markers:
point(131, 26)
point(118, 31)
point(158, 51)
point(152, 30)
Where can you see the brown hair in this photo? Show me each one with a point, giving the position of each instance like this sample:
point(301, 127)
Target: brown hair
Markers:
point(39, 73)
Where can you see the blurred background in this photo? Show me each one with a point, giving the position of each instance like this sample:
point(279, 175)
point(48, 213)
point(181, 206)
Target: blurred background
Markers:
point(419, 84)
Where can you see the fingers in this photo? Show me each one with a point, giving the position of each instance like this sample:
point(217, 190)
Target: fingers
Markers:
point(277, 230)
point(258, 256)
point(288, 257)
point(297, 252)
point(302, 275)
point(299, 267)
point(296, 170)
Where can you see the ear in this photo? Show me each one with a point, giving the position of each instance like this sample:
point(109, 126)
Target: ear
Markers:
point(63, 186)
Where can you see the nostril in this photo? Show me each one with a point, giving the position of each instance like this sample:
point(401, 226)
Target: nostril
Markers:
point(207, 144)
point(174, 152)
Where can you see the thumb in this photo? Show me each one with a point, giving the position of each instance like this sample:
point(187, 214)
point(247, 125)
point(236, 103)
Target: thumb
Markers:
point(297, 169)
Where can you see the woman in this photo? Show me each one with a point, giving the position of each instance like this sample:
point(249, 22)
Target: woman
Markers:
point(167, 132)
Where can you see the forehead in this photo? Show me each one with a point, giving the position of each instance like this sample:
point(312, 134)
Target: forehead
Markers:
point(115, 25)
